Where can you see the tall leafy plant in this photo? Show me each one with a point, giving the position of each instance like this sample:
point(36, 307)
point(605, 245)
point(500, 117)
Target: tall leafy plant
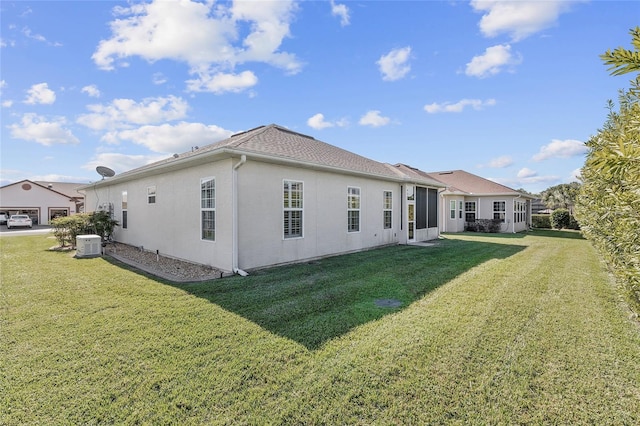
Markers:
point(608, 205)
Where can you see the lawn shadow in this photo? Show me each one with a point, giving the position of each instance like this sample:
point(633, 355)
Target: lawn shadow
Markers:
point(556, 233)
point(315, 302)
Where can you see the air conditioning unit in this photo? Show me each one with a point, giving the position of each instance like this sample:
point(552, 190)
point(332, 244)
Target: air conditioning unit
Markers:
point(88, 245)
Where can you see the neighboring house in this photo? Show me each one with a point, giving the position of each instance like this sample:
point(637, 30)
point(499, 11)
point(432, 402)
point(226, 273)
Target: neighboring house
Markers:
point(264, 197)
point(469, 198)
point(42, 201)
point(538, 207)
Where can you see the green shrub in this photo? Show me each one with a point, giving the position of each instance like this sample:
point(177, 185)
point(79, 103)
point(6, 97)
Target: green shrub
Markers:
point(560, 219)
point(541, 221)
point(67, 228)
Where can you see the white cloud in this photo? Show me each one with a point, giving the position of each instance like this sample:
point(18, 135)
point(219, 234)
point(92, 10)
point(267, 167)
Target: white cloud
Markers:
point(374, 119)
point(120, 162)
point(40, 94)
point(222, 82)
point(459, 106)
point(318, 122)
point(519, 19)
point(206, 36)
point(125, 112)
point(91, 90)
point(499, 162)
point(576, 175)
point(159, 78)
point(342, 11)
point(492, 61)
point(394, 65)
point(7, 104)
point(38, 37)
point(170, 139)
point(43, 131)
point(526, 173)
point(561, 149)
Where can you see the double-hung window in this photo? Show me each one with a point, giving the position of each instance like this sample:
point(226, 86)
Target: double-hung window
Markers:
point(387, 206)
point(124, 210)
point(353, 209)
point(292, 209)
point(452, 209)
point(499, 210)
point(470, 211)
point(519, 212)
point(208, 209)
point(151, 194)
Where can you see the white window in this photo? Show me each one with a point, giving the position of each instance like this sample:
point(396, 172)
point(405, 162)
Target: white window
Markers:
point(293, 209)
point(151, 194)
point(470, 211)
point(452, 209)
point(208, 209)
point(387, 206)
point(499, 210)
point(124, 210)
point(520, 211)
point(353, 209)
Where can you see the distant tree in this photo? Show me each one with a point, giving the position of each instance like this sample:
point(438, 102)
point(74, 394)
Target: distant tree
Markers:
point(608, 207)
point(561, 196)
point(524, 191)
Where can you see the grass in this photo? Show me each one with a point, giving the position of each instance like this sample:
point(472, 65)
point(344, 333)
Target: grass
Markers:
point(493, 329)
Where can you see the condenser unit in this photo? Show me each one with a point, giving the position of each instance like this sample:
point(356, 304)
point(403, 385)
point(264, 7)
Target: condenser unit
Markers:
point(88, 245)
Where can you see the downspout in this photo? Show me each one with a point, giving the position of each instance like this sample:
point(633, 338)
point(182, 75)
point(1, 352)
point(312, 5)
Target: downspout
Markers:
point(234, 219)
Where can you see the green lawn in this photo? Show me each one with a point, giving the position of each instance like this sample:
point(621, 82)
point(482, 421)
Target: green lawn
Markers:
point(493, 329)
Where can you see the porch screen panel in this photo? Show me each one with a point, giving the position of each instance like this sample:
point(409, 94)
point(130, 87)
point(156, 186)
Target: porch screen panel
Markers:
point(421, 208)
point(433, 208)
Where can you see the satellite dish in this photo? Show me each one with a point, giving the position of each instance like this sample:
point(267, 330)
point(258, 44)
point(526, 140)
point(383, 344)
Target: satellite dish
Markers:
point(105, 171)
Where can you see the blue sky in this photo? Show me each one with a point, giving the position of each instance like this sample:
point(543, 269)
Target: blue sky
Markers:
point(509, 90)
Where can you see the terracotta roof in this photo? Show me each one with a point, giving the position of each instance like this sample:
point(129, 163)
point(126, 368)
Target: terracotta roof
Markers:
point(278, 143)
point(461, 181)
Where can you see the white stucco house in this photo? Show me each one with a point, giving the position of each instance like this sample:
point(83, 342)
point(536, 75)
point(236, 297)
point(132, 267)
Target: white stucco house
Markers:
point(42, 201)
point(469, 198)
point(265, 197)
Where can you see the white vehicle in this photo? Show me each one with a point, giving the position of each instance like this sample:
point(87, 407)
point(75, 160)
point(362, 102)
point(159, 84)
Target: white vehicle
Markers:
point(18, 220)
point(3, 219)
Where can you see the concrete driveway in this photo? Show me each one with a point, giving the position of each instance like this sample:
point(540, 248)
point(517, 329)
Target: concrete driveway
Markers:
point(38, 229)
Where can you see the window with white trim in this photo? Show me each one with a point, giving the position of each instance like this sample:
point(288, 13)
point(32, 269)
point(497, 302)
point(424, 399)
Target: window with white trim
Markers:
point(387, 206)
point(353, 209)
point(452, 209)
point(292, 209)
point(125, 222)
point(208, 209)
point(520, 211)
point(151, 194)
point(499, 210)
point(470, 211)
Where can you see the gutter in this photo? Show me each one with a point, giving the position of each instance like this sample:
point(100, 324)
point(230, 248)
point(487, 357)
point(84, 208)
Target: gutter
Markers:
point(234, 219)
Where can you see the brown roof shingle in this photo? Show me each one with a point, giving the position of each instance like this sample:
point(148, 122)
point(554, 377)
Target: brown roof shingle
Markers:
point(472, 184)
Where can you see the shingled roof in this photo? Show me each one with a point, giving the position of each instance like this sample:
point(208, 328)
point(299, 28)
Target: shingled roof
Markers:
point(461, 181)
point(279, 144)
